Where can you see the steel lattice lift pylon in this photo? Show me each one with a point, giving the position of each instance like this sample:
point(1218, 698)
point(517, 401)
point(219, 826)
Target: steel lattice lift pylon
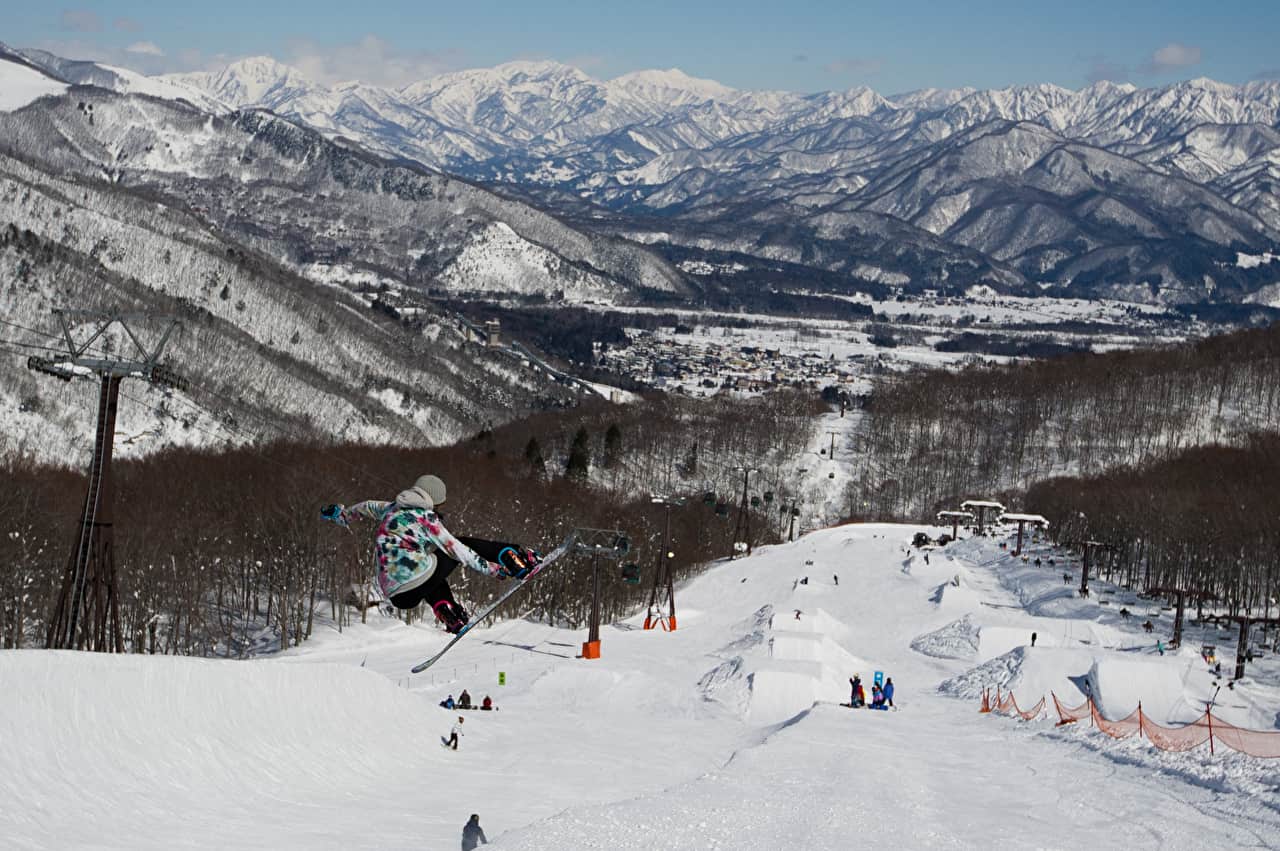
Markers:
point(663, 580)
point(87, 612)
point(608, 544)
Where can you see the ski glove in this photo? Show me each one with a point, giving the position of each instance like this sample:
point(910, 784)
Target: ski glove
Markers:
point(333, 513)
point(517, 563)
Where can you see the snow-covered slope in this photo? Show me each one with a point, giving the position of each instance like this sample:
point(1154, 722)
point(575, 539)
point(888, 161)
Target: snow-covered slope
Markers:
point(725, 733)
point(21, 84)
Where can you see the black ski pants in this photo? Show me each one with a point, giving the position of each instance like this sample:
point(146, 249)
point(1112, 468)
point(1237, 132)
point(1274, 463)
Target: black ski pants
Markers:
point(437, 588)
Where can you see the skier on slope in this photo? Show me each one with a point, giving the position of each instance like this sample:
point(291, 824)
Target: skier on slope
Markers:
point(415, 553)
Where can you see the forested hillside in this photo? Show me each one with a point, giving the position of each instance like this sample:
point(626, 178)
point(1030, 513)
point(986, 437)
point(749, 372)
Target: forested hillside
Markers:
point(225, 552)
point(932, 437)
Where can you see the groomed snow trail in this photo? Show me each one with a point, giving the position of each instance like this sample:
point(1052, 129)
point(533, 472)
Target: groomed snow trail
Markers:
point(725, 734)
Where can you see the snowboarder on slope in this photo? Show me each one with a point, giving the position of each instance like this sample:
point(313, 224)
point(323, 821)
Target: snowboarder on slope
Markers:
point(472, 834)
point(454, 732)
point(855, 692)
point(415, 552)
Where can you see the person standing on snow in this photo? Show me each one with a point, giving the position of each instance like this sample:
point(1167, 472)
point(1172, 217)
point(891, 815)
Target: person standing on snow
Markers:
point(415, 553)
point(454, 732)
point(888, 691)
point(855, 692)
point(472, 834)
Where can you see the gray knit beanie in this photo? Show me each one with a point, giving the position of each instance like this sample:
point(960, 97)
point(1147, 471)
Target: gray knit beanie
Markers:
point(432, 486)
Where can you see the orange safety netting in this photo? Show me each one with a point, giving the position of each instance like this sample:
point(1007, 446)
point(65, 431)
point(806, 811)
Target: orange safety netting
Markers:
point(1182, 738)
point(1007, 705)
point(1206, 728)
point(1070, 716)
point(1251, 742)
point(1122, 729)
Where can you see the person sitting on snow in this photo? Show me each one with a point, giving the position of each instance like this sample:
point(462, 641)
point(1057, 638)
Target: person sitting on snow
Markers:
point(415, 553)
point(487, 703)
point(448, 703)
point(464, 700)
point(877, 697)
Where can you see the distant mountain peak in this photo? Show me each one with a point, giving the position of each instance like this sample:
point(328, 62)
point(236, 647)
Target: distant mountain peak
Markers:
point(672, 86)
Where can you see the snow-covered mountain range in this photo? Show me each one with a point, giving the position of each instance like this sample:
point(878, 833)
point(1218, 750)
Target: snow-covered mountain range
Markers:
point(1112, 190)
point(1139, 193)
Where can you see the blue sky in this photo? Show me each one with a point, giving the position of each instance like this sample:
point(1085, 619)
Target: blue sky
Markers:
point(800, 45)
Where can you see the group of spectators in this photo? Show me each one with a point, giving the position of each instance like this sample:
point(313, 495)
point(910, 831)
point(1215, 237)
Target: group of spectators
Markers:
point(881, 698)
point(464, 702)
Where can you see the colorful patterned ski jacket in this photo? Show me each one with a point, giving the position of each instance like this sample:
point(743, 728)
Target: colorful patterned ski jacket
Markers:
point(410, 535)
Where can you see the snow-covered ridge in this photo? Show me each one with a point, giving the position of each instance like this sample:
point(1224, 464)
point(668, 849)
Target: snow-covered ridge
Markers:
point(21, 84)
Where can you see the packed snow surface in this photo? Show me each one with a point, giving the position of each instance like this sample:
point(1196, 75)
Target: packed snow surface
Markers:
point(727, 733)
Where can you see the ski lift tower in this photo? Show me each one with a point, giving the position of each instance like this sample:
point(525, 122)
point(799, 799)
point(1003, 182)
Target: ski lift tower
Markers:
point(663, 581)
point(1242, 646)
point(1022, 520)
point(87, 613)
point(742, 527)
point(1181, 594)
point(982, 506)
point(611, 544)
point(1089, 547)
point(955, 518)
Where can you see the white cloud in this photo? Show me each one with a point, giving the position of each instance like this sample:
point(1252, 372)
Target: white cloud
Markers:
point(1172, 57)
point(369, 59)
point(145, 48)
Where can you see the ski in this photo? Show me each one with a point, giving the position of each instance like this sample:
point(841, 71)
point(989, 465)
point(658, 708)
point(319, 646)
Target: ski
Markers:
point(551, 558)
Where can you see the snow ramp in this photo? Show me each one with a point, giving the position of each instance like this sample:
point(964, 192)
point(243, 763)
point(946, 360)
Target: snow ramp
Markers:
point(158, 751)
point(804, 666)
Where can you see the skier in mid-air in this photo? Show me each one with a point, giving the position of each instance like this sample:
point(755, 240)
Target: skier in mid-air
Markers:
point(415, 553)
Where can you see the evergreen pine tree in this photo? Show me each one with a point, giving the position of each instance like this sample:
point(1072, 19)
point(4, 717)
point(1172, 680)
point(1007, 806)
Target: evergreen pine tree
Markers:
point(688, 468)
point(579, 462)
point(612, 445)
point(533, 454)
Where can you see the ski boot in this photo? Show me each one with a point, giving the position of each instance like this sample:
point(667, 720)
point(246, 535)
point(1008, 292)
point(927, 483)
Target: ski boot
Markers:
point(451, 615)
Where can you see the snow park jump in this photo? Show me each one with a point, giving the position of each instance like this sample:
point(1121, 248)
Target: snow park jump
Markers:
point(727, 731)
